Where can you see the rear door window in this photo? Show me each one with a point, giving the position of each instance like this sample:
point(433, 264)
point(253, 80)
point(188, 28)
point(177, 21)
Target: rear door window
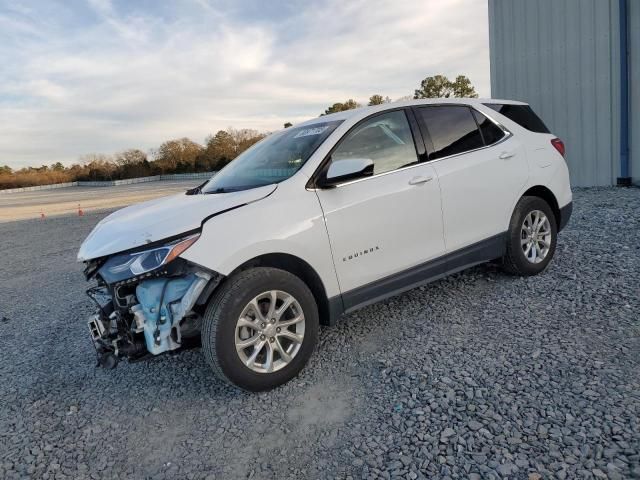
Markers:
point(452, 129)
point(490, 131)
point(523, 115)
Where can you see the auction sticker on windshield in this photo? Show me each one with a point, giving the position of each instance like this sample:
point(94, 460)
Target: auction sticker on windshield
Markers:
point(310, 131)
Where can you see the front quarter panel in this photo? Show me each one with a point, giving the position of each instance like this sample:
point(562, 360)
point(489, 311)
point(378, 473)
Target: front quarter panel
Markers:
point(289, 221)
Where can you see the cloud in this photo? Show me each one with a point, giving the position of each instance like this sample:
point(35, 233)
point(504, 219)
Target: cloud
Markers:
point(113, 75)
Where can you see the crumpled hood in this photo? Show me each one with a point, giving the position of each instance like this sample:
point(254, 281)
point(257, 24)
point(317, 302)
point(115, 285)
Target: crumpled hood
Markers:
point(161, 218)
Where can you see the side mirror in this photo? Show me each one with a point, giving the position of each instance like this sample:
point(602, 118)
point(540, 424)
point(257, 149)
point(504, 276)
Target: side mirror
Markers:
point(348, 169)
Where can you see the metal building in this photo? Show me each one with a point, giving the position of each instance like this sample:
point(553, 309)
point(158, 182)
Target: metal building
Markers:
point(563, 58)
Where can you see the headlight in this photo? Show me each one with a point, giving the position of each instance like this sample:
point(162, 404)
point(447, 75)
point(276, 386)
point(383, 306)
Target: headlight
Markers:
point(127, 265)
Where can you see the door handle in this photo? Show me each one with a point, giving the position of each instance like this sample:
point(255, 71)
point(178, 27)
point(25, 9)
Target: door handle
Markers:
point(505, 155)
point(420, 179)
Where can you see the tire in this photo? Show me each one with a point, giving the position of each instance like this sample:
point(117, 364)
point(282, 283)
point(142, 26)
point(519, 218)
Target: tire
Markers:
point(516, 261)
point(221, 330)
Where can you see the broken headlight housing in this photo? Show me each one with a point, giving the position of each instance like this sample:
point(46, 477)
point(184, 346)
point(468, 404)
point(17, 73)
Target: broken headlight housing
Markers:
point(134, 264)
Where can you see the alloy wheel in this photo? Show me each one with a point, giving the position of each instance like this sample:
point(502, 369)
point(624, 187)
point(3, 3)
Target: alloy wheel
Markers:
point(270, 331)
point(535, 236)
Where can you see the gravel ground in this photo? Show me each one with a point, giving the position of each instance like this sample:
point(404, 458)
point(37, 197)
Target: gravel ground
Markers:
point(480, 375)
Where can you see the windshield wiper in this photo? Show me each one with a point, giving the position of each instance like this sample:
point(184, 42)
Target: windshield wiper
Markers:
point(224, 190)
point(233, 189)
point(196, 190)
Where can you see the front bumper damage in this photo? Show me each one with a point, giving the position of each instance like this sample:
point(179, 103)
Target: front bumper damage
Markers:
point(148, 315)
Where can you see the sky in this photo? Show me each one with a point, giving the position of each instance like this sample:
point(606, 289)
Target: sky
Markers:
point(102, 76)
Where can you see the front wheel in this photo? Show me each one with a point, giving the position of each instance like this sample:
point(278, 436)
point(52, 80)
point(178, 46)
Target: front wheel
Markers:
point(532, 237)
point(260, 328)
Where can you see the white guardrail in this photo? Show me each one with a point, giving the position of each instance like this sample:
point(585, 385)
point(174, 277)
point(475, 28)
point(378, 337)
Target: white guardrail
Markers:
point(112, 183)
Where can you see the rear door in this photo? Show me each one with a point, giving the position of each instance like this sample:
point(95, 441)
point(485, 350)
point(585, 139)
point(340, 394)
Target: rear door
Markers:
point(481, 168)
point(386, 223)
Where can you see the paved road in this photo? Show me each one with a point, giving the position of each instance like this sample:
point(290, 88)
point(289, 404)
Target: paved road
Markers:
point(25, 205)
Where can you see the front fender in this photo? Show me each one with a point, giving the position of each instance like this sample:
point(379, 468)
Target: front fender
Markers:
point(280, 223)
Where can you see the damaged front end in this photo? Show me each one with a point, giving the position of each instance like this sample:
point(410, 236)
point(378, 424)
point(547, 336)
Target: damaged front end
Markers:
point(150, 301)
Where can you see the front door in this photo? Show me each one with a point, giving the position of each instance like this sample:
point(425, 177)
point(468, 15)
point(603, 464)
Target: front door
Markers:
point(387, 223)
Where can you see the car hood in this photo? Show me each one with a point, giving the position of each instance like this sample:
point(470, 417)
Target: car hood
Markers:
point(161, 218)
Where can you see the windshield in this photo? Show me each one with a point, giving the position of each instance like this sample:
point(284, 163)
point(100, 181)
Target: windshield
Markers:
point(272, 160)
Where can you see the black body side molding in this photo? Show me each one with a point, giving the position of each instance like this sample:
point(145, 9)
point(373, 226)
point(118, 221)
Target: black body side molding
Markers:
point(483, 251)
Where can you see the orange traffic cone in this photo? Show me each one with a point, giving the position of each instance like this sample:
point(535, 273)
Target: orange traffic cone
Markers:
point(80, 212)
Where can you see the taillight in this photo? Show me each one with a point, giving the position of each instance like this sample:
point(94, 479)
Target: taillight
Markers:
point(559, 145)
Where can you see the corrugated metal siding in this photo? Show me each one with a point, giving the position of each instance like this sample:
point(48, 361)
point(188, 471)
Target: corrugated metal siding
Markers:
point(634, 83)
point(561, 56)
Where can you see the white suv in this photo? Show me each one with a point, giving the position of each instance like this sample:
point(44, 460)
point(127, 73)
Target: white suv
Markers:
point(318, 220)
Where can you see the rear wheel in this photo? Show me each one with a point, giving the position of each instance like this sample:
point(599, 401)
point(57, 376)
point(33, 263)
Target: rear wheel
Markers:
point(260, 329)
point(532, 237)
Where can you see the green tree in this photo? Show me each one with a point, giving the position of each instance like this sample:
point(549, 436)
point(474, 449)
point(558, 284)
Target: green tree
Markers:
point(57, 167)
point(437, 86)
point(462, 88)
point(440, 86)
point(378, 100)
point(218, 151)
point(288, 124)
point(341, 107)
point(6, 170)
point(224, 146)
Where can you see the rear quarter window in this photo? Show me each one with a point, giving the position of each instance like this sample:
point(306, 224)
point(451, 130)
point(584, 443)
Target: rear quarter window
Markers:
point(523, 115)
point(490, 131)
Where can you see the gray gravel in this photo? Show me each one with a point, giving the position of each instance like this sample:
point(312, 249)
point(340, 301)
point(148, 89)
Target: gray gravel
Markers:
point(480, 375)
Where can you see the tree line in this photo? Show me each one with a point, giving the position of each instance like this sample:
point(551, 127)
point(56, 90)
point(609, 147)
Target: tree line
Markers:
point(438, 86)
point(180, 155)
point(183, 155)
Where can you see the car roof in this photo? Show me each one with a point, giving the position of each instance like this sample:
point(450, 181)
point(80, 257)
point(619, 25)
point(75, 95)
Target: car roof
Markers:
point(362, 112)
